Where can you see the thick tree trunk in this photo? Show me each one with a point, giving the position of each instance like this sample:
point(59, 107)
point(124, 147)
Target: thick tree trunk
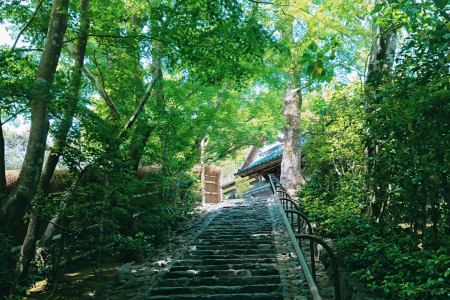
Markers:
point(28, 250)
point(141, 136)
point(291, 177)
point(66, 122)
point(381, 55)
point(14, 206)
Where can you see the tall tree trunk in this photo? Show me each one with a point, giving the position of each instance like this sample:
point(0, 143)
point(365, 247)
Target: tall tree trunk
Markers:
point(14, 206)
point(141, 136)
point(381, 55)
point(143, 132)
point(27, 252)
point(66, 122)
point(291, 177)
point(380, 62)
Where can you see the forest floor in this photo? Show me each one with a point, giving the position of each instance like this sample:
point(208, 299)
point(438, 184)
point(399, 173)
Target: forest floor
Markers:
point(82, 281)
point(76, 283)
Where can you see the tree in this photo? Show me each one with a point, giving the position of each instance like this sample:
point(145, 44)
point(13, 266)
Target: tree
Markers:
point(184, 59)
point(311, 37)
point(14, 206)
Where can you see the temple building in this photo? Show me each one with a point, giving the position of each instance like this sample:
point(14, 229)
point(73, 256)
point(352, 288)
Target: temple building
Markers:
point(259, 163)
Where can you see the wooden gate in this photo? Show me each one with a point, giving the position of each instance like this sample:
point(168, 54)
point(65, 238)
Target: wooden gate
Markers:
point(212, 188)
point(212, 184)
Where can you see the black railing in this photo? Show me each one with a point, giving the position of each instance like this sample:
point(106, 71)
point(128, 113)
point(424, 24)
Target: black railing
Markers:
point(296, 221)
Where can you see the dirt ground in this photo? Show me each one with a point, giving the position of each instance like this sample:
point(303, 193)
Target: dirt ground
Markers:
point(76, 283)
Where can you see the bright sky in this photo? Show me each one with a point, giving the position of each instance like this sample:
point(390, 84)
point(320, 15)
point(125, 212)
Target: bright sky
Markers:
point(4, 35)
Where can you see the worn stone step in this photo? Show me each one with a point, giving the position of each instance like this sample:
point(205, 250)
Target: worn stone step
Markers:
point(236, 238)
point(258, 296)
point(244, 226)
point(225, 259)
point(229, 251)
point(190, 262)
point(228, 242)
point(244, 266)
point(213, 290)
point(213, 281)
point(232, 246)
point(240, 235)
point(221, 273)
point(230, 256)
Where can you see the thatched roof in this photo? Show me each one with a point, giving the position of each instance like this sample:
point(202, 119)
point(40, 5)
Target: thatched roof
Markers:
point(57, 184)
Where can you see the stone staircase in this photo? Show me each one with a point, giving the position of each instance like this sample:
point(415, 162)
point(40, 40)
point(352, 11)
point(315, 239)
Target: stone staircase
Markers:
point(233, 258)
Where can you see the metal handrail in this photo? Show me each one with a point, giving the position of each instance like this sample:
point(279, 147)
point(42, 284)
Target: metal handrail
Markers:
point(308, 276)
point(333, 260)
point(299, 228)
point(286, 201)
point(309, 236)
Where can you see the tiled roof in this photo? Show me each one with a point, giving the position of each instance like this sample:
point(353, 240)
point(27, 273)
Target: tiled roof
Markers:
point(257, 189)
point(278, 153)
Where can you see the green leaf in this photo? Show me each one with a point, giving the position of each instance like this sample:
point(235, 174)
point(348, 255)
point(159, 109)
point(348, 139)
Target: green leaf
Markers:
point(440, 3)
point(313, 47)
point(377, 8)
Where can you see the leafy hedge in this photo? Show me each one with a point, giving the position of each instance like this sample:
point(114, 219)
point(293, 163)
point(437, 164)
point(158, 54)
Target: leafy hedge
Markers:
point(389, 212)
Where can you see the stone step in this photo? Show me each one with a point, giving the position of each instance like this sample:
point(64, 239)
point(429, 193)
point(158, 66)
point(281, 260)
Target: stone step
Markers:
point(218, 289)
point(226, 235)
point(221, 273)
point(257, 296)
point(201, 262)
point(244, 266)
point(229, 251)
point(228, 242)
point(225, 281)
point(241, 235)
point(248, 238)
point(232, 258)
point(235, 226)
point(231, 246)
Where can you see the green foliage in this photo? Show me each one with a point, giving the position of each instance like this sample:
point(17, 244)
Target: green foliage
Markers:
point(7, 260)
point(401, 250)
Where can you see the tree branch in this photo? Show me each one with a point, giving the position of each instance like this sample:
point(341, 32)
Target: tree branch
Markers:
point(138, 109)
point(191, 93)
point(96, 83)
point(15, 115)
point(31, 49)
point(98, 68)
point(26, 25)
point(269, 3)
point(228, 151)
point(122, 37)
